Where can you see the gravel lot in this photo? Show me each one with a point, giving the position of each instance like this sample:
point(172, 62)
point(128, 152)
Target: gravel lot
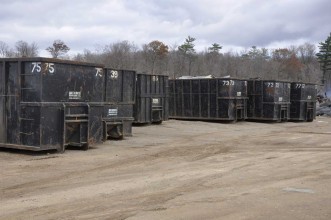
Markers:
point(178, 170)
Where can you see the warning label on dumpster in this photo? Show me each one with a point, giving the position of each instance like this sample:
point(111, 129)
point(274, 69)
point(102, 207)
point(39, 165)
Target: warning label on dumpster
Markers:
point(112, 112)
point(238, 93)
point(74, 95)
point(280, 99)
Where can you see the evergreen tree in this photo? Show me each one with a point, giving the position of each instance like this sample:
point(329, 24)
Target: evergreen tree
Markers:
point(324, 56)
point(215, 48)
point(187, 49)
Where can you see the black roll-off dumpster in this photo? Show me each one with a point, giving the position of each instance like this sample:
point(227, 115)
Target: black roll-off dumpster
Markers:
point(268, 100)
point(303, 101)
point(201, 98)
point(119, 101)
point(50, 103)
point(152, 104)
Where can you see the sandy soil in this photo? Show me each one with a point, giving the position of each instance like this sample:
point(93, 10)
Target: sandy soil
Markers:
point(178, 170)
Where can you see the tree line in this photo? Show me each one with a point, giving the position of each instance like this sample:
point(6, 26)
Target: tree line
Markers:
point(295, 63)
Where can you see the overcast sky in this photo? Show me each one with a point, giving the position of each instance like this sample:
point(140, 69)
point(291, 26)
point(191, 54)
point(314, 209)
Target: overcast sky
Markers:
point(233, 24)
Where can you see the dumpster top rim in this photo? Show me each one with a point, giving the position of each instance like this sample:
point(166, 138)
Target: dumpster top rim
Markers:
point(307, 83)
point(53, 60)
point(222, 78)
point(147, 74)
point(117, 69)
point(269, 80)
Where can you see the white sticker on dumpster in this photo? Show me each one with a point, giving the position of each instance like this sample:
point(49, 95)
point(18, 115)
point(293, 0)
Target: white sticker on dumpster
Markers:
point(112, 112)
point(74, 95)
point(155, 101)
point(280, 99)
point(238, 93)
point(309, 97)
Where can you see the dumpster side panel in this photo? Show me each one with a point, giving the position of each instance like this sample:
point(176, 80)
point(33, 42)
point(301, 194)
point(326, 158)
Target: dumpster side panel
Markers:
point(2, 103)
point(268, 100)
point(31, 82)
point(61, 82)
point(178, 98)
point(187, 98)
point(213, 105)
point(210, 99)
point(129, 86)
point(172, 107)
point(120, 86)
point(30, 125)
point(114, 88)
point(303, 101)
point(120, 98)
point(50, 127)
point(203, 89)
point(165, 98)
point(270, 92)
point(152, 104)
point(72, 83)
point(12, 102)
point(230, 93)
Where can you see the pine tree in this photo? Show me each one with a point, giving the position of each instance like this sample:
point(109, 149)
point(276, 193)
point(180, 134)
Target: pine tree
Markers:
point(215, 48)
point(187, 49)
point(324, 56)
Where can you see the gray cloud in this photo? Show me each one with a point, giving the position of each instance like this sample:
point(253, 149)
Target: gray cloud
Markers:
point(243, 23)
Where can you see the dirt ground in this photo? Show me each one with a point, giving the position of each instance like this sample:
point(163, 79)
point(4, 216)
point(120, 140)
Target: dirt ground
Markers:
point(178, 170)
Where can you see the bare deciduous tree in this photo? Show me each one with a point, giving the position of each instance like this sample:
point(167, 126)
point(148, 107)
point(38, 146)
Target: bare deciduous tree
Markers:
point(120, 55)
point(24, 49)
point(4, 48)
point(292, 63)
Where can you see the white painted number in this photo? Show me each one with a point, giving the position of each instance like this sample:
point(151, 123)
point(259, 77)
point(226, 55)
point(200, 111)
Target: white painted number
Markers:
point(113, 74)
point(228, 83)
point(36, 66)
point(99, 72)
point(270, 84)
point(298, 86)
point(50, 67)
point(155, 78)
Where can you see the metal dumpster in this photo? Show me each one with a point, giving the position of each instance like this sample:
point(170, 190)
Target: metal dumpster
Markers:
point(152, 105)
point(303, 101)
point(50, 103)
point(119, 100)
point(208, 99)
point(268, 100)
